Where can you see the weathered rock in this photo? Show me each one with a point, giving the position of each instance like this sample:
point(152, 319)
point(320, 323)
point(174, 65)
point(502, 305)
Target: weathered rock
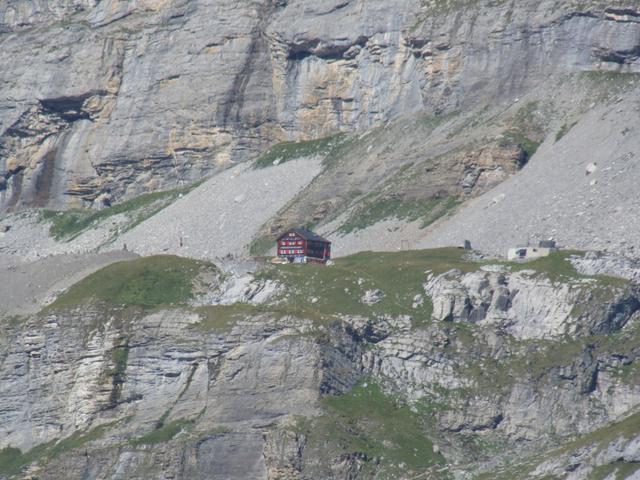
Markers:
point(235, 389)
point(371, 297)
point(117, 106)
point(528, 305)
point(599, 263)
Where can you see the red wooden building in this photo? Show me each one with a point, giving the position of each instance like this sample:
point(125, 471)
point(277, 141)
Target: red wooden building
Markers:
point(301, 245)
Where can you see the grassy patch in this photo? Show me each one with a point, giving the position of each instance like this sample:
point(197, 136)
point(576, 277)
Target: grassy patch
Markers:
point(261, 246)
point(628, 374)
point(557, 267)
point(526, 130)
point(610, 78)
point(338, 289)
point(287, 151)
point(367, 421)
point(120, 355)
point(163, 434)
point(69, 224)
point(12, 321)
point(378, 209)
point(328, 292)
point(119, 358)
point(628, 429)
point(564, 129)
point(537, 363)
point(12, 460)
point(222, 318)
point(621, 469)
point(150, 281)
point(517, 137)
point(321, 294)
point(607, 84)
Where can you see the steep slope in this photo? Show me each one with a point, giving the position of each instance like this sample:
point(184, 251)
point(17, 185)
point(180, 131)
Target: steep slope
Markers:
point(580, 189)
point(221, 217)
point(133, 373)
point(218, 217)
point(107, 100)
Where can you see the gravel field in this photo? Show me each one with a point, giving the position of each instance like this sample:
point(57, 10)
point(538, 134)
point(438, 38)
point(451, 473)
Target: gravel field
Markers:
point(581, 190)
point(26, 287)
point(28, 238)
point(221, 216)
point(387, 235)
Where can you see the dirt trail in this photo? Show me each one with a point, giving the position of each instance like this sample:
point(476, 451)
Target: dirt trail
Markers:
point(26, 287)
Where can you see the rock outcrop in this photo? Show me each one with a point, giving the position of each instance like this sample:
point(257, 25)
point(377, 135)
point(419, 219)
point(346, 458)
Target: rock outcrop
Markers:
point(529, 306)
point(243, 390)
point(118, 98)
point(599, 263)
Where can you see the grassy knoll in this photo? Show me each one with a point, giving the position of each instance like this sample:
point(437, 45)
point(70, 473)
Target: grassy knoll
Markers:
point(339, 288)
point(331, 291)
point(322, 294)
point(12, 460)
point(146, 282)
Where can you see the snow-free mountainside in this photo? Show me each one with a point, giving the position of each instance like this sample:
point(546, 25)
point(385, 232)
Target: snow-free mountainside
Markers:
point(152, 151)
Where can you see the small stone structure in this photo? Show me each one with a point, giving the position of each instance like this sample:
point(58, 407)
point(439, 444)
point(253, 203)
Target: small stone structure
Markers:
point(544, 249)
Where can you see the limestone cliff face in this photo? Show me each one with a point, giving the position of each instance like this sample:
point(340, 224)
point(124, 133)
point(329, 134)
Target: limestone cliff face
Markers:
point(528, 306)
point(110, 99)
point(111, 392)
point(86, 372)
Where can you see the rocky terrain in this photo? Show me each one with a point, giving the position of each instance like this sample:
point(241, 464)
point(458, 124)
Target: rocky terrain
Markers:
point(134, 131)
point(28, 286)
point(451, 369)
point(579, 192)
point(139, 96)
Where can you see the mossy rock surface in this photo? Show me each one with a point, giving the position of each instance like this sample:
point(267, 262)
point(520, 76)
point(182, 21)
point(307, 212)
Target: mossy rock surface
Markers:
point(374, 426)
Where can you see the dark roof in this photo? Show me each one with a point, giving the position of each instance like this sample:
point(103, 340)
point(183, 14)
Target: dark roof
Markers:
point(547, 244)
point(306, 234)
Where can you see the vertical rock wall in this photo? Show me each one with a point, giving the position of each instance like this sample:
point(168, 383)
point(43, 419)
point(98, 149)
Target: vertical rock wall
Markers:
point(111, 99)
